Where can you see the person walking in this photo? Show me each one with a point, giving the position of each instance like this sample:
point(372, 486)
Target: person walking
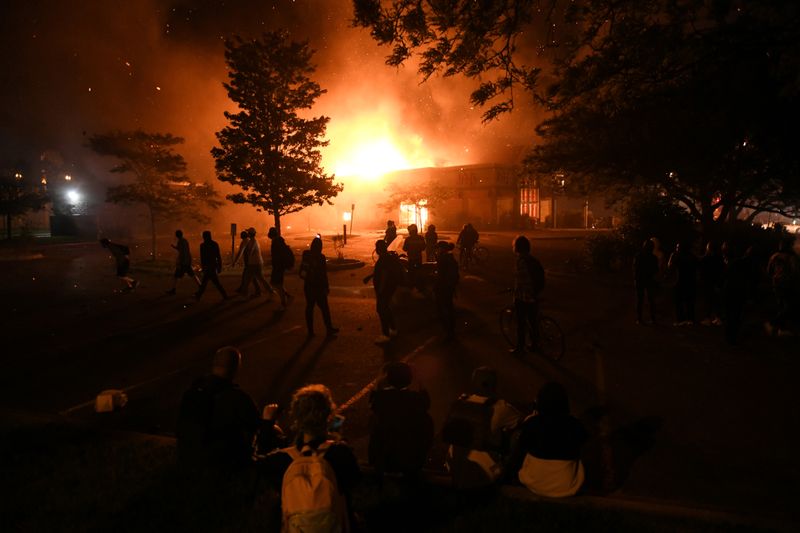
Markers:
point(783, 271)
point(183, 262)
point(211, 263)
point(712, 274)
point(121, 253)
point(386, 277)
point(445, 287)
point(245, 239)
point(254, 266)
point(645, 270)
point(279, 254)
point(391, 232)
point(528, 284)
point(431, 239)
point(314, 272)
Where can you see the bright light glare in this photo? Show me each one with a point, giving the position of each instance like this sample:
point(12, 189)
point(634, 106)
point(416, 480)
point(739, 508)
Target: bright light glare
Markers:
point(347, 216)
point(73, 196)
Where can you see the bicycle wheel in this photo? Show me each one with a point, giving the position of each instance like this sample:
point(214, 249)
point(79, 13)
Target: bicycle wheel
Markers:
point(551, 338)
point(508, 325)
point(480, 254)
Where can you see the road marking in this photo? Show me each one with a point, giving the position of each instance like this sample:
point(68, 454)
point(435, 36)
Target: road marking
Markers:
point(371, 385)
point(169, 375)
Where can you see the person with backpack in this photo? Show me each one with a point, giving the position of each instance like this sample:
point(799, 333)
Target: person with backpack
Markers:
point(282, 260)
point(120, 252)
point(401, 430)
point(386, 277)
point(444, 287)
point(318, 472)
point(314, 273)
point(479, 429)
point(528, 284)
point(211, 263)
point(217, 420)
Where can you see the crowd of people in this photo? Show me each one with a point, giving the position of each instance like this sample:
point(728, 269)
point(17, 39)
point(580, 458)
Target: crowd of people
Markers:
point(315, 471)
point(713, 289)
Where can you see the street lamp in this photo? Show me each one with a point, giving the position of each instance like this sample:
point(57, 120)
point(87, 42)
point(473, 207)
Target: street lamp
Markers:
point(73, 196)
point(346, 217)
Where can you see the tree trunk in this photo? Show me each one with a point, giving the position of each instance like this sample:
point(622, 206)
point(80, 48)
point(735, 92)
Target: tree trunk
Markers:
point(277, 217)
point(152, 235)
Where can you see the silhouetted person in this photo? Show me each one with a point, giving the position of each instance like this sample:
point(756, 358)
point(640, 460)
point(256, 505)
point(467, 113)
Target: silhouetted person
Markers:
point(528, 284)
point(550, 445)
point(120, 252)
point(311, 415)
point(391, 232)
point(278, 251)
point(684, 265)
point(254, 265)
point(386, 277)
point(401, 430)
point(645, 270)
point(413, 246)
point(183, 262)
point(211, 262)
point(217, 420)
point(241, 252)
point(736, 288)
point(314, 271)
point(712, 275)
point(467, 239)
point(431, 239)
point(444, 288)
point(783, 271)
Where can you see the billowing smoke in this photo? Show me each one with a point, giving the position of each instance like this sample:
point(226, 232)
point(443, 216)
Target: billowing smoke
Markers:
point(72, 69)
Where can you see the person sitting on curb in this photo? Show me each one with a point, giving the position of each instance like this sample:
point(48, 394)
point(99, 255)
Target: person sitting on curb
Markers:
point(478, 429)
point(401, 430)
point(550, 441)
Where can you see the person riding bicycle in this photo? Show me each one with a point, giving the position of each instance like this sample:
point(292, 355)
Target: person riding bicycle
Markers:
point(467, 239)
point(528, 284)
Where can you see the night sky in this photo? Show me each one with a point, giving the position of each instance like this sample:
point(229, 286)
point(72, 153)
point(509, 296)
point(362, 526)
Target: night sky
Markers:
point(75, 68)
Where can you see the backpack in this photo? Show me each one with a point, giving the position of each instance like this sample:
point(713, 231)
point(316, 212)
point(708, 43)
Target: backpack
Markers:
point(310, 497)
point(469, 423)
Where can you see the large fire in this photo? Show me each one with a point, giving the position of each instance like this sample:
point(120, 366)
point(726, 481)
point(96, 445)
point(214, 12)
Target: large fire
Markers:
point(366, 147)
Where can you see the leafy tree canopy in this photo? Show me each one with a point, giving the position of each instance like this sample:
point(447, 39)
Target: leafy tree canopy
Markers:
point(160, 181)
point(18, 195)
point(268, 149)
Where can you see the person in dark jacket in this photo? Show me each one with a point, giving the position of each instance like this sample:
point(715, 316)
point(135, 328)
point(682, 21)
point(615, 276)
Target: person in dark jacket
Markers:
point(528, 284)
point(684, 265)
point(549, 446)
point(217, 420)
point(386, 277)
point(391, 232)
point(445, 284)
point(211, 263)
point(413, 246)
point(183, 262)
point(314, 271)
point(431, 239)
point(120, 252)
point(277, 249)
point(401, 430)
point(645, 270)
point(712, 275)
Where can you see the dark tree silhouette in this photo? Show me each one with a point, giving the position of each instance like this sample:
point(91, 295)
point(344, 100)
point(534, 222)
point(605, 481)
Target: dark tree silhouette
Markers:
point(496, 42)
point(159, 177)
point(697, 100)
point(18, 196)
point(267, 149)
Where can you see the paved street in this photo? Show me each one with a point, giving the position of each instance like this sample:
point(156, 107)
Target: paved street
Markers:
point(675, 414)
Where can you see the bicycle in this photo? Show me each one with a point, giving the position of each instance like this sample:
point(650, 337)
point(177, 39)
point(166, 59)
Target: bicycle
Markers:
point(476, 255)
point(550, 340)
